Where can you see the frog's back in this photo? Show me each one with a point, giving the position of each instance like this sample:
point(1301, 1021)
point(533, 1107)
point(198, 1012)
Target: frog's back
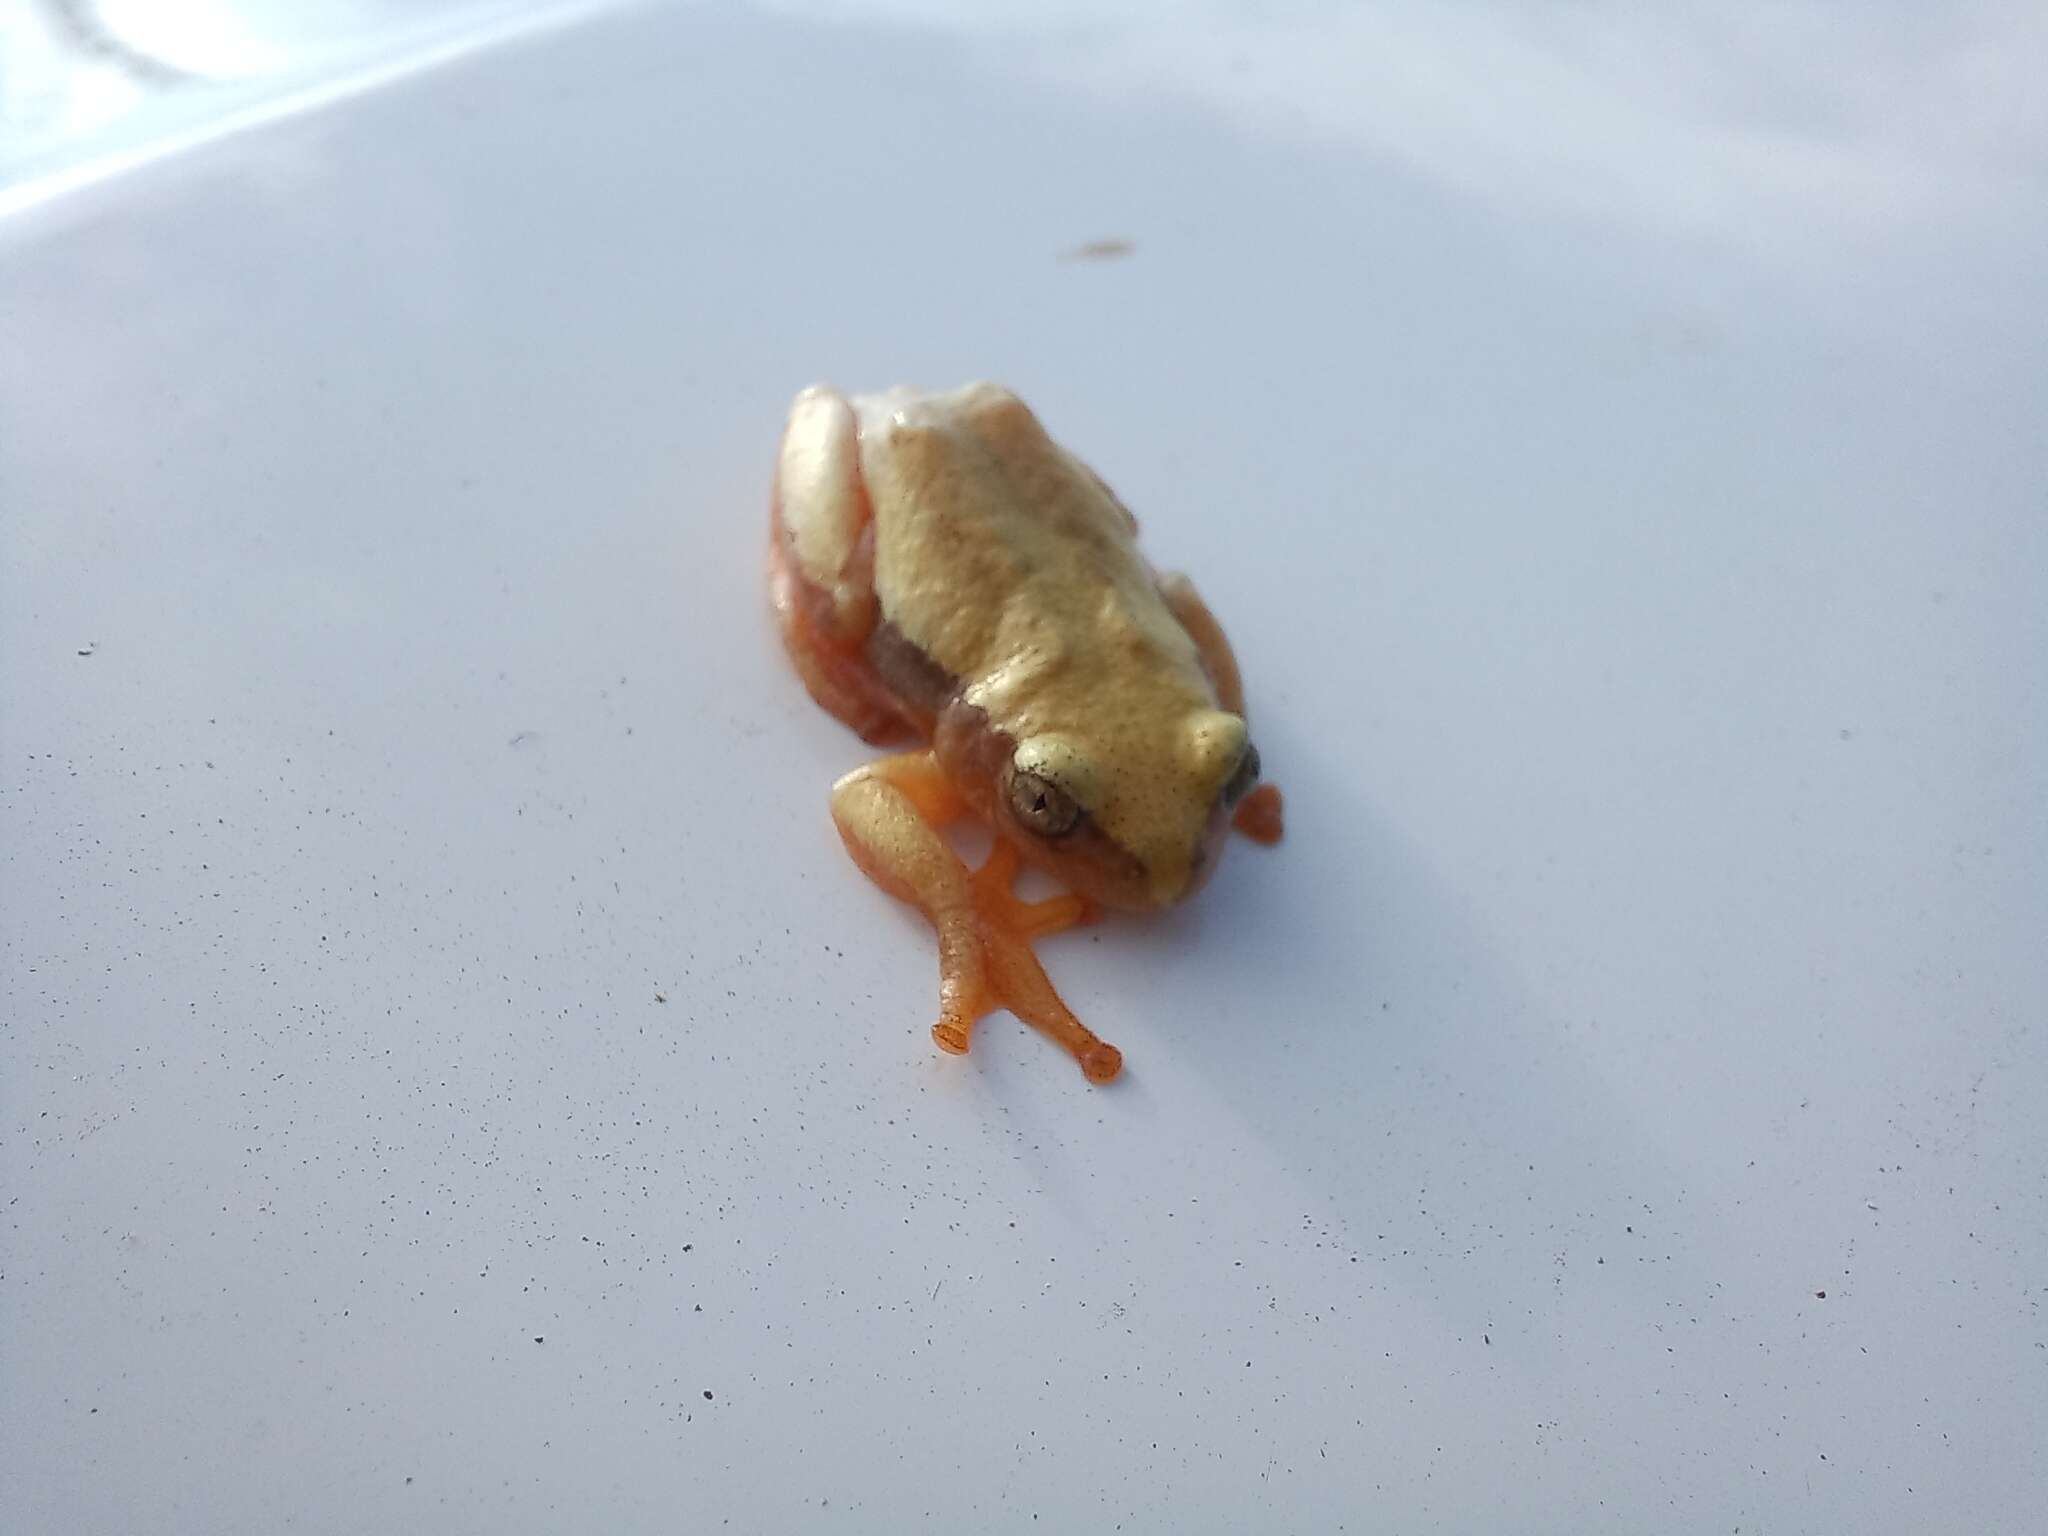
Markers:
point(997, 549)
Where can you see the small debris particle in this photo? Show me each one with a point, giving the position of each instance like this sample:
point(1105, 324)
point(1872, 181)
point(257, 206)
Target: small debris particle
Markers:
point(1823, 1295)
point(540, 1338)
point(1100, 250)
point(661, 997)
point(707, 1397)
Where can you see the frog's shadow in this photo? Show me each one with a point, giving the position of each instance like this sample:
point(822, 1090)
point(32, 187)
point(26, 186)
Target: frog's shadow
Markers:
point(1269, 919)
point(1362, 1027)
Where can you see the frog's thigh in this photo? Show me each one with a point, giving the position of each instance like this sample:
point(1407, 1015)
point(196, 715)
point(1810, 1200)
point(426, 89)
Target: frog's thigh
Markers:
point(888, 814)
point(1218, 660)
point(821, 501)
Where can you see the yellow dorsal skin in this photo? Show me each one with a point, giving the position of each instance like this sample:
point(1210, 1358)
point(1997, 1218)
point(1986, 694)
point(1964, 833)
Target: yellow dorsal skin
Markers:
point(1002, 558)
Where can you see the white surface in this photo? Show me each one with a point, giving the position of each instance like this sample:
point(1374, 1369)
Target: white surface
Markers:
point(1645, 623)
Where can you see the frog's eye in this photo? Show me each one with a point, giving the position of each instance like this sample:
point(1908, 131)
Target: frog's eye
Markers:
point(1042, 805)
point(1244, 778)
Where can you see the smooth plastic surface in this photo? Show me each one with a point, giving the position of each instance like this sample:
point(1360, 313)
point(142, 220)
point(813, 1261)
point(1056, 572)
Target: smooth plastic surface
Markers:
point(451, 1078)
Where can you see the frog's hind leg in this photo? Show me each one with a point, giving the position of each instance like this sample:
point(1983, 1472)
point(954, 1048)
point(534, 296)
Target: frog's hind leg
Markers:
point(821, 567)
point(1260, 815)
point(889, 814)
point(1211, 644)
point(837, 675)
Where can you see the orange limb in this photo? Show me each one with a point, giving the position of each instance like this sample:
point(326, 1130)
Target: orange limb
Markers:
point(1211, 644)
point(833, 669)
point(889, 815)
point(1259, 815)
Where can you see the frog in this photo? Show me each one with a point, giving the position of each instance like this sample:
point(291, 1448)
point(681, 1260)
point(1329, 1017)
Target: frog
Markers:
point(951, 582)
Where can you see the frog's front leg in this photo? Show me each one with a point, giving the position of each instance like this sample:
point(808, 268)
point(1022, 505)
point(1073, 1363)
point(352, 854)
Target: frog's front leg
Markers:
point(889, 814)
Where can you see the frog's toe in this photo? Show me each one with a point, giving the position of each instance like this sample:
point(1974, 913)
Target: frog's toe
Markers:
point(1101, 1062)
point(1018, 982)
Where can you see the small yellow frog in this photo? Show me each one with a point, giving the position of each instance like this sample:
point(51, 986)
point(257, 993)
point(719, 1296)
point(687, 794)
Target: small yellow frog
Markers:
point(944, 572)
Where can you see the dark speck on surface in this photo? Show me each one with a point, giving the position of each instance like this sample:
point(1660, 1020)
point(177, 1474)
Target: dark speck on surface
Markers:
point(1100, 250)
point(539, 1338)
point(707, 1397)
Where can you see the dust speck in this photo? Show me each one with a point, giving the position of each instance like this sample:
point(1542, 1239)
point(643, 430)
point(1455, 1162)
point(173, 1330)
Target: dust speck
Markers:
point(1100, 250)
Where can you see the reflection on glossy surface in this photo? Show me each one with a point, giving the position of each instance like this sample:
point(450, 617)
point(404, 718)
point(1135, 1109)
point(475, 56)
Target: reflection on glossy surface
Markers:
point(85, 80)
point(1796, 131)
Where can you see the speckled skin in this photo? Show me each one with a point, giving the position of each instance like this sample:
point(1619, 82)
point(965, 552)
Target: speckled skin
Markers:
point(944, 571)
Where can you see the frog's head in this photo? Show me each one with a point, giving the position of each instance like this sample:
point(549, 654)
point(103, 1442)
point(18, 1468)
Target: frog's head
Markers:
point(1130, 814)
